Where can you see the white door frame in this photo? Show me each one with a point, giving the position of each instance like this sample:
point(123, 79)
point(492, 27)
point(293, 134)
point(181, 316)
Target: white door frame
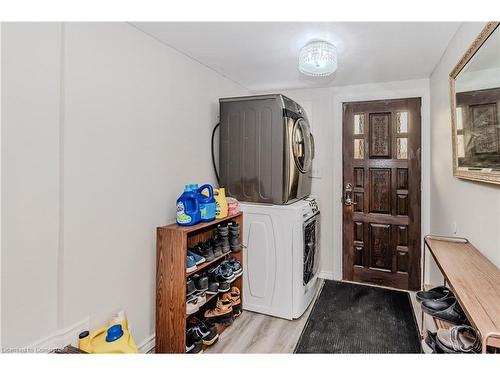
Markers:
point(391, 90)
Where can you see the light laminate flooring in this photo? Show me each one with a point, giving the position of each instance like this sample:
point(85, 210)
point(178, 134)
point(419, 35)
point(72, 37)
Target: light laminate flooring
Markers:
point(258, 333)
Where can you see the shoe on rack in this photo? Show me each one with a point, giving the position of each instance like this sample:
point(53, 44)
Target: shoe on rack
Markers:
point(194, 344)
point(233, 227)
point(190, 287)
point(222, 236)
point(435, 294)
point(198, 258)
point(234, 241)
point(447, 309)
point(225, 272)
point(205, 250)
point(224, 286)
point(235, 297)
point(213, 287)
point(223, 229)
point(221, 273)
point(202, 298)
point(200, 282)
point(221, 313)
point(192, 305)
point(190, 264)
point(235, 266)
point(205, 332)
point(429, 345)
point(216, 246)
point(458, 339)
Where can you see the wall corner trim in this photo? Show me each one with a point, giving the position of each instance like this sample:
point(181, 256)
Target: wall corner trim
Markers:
point(147, 345)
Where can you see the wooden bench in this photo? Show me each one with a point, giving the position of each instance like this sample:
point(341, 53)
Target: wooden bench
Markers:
point(474, 280)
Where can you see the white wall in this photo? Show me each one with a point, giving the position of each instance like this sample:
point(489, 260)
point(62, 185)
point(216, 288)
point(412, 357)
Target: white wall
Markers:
point(102, 125)
point(474, 207)
point(30, 180)
point(326, 107)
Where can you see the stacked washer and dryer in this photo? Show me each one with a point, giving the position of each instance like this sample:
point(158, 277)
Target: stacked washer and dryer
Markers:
point(265, 156)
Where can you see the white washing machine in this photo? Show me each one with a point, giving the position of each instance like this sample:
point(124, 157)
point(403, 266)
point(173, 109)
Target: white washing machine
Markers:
point(281, 257)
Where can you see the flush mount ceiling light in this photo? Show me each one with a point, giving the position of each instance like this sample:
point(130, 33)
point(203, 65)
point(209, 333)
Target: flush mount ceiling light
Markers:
point(318, 58)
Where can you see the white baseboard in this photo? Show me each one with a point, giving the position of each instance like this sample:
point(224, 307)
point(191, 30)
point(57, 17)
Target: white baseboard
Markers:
point(148, 344)
point(326, 275)
point(60, 338)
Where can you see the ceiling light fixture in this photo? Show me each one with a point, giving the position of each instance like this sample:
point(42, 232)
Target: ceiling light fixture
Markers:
point(318, 58)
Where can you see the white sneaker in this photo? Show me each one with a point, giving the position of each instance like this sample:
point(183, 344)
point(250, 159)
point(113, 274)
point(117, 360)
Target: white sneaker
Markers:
point(202, 299)
point(192, 305)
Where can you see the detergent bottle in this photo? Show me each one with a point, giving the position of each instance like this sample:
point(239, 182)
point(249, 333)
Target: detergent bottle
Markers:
point(220, 203)
point(114, 338)
point(206, 201)
point(188, 208)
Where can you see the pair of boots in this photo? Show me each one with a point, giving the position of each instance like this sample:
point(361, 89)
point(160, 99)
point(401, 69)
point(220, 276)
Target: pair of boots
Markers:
point(228, 236)
point(227, 308)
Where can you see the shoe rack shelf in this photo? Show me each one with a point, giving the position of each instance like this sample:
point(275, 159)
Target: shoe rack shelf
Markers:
point(206, 265)
point(172, 242)
point(212, 296)
point(475, 282)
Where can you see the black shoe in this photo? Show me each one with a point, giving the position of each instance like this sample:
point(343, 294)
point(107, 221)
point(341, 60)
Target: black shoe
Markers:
point(213, 287)
point(193, 343)
point(434, 294)
point(217, 247)
point(430, 341)
point(234, 243)
point(233, 227)
point(446, 309)
point(205, 250)
point(206, 332)
point(223, 237)
point(190, 287)
point(200, 282)
point(222, 229)
point(224, 286)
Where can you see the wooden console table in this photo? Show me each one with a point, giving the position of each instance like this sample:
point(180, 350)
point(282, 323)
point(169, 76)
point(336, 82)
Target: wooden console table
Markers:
point(474, 280)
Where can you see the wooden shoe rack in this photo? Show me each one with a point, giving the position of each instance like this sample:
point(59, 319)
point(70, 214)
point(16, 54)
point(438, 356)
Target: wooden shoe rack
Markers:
point(172, 242)
point(475, 282)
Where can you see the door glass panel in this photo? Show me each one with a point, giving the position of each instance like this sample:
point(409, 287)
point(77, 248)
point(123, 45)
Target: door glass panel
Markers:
point(460, 146)
point(359, 149)
point(359, 123)
point(402, 122)
point(402, 148)
point(302, 149)
point(460, 125)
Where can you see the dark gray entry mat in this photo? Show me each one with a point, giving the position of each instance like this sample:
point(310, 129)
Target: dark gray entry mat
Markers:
point(353, 318)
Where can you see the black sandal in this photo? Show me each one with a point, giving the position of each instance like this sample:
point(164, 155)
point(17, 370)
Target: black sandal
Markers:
point(446, 309)
point(434, 294)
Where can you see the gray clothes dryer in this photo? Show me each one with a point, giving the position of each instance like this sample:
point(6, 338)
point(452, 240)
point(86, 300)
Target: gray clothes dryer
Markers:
point(266, 149)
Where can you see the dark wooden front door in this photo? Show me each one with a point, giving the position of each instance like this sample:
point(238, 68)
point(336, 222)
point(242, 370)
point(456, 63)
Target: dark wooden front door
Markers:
point(381, 187)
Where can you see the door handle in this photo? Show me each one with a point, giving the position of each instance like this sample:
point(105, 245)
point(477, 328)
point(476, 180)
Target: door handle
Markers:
point(348, 195)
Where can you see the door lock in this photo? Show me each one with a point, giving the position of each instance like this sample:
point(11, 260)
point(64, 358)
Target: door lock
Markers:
point(348, 195)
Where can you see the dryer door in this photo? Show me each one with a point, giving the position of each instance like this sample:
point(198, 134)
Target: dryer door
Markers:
point(302, 145)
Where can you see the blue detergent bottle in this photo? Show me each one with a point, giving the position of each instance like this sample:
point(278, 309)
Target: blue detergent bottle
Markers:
point(188, 208)
point(206, 200)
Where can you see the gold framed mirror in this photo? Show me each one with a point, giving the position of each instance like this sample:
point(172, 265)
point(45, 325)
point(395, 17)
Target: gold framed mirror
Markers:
point(475, 109)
